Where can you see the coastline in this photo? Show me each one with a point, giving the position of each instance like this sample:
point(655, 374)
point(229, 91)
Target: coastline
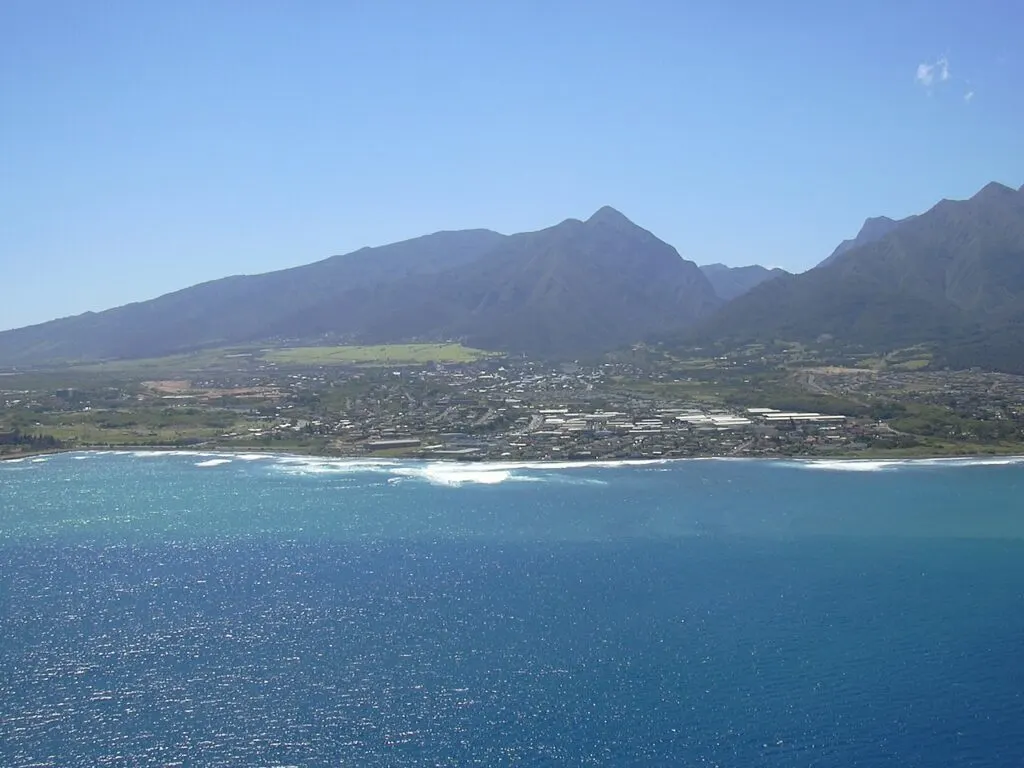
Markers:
point(861, 456)
point(42, 452)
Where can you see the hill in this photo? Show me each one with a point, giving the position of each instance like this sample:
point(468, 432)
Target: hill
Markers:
point(952, 277)
point(574, 288)
point(730, 282)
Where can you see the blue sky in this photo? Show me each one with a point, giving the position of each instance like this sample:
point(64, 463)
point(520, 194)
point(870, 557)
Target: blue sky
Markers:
point(147, 146)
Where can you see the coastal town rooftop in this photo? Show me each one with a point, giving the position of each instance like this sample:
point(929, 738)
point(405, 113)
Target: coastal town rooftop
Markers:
point(775, 415)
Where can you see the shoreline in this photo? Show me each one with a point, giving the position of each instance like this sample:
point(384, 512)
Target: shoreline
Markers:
point(222, 451)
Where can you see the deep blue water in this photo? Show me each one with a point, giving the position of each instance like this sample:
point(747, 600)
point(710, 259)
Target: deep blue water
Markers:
point(190, 610)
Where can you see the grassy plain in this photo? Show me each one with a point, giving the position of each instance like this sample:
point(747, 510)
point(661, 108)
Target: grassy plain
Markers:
point(386, 354)
point(242, 358)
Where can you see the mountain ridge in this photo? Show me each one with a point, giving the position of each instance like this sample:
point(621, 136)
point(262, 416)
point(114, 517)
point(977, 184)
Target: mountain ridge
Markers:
point(952, 276)
point(949, 276)
point(579, 286)
point(874, 228)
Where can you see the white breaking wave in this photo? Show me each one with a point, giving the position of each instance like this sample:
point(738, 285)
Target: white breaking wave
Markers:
point(449, 473)
point(303, 465)
point(976, 461)
point(594, 464)
point(889, 465)
point(159, 453)
point(454, 476)
point(213, 462)
point(842, 465)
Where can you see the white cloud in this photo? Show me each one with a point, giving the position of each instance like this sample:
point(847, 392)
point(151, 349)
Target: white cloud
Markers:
point(969, 95)
point(928, 73)
point(925, 74)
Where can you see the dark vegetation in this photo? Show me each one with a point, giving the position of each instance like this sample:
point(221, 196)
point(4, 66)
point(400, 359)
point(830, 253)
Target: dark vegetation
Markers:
point(16, 441)
point(944, 422)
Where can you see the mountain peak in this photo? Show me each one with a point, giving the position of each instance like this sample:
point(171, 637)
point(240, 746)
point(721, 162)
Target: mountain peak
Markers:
point(874, 228)
point(992, 190)
point(608, 215)
point(949, 278)
point(877, 221)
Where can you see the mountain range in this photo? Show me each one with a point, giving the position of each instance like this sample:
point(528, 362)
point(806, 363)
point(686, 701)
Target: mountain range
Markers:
point(574, 288)
point(952, 277)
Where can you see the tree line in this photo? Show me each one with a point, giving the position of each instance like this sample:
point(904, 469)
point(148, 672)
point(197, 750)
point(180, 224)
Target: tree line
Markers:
point(28, 440)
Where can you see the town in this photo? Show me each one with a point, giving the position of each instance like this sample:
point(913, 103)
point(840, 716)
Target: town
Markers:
point(640, 405)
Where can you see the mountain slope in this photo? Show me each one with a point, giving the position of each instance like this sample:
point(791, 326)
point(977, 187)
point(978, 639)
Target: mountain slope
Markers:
point(574, 288)
point(582, 286)
point(730, 282)
point(237, 309)
point(873, 229)
point(953, 276)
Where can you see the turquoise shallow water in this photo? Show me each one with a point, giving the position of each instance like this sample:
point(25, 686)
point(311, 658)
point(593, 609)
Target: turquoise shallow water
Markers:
point(226, 610)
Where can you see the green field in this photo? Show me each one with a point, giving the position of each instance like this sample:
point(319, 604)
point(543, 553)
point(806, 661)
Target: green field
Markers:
point(386, 354)
point(243, 358)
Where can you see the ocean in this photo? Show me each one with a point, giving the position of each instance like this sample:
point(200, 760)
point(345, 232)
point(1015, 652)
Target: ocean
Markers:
point(192, 609)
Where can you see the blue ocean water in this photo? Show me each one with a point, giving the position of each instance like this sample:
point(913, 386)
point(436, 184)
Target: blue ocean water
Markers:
point(210, 609)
